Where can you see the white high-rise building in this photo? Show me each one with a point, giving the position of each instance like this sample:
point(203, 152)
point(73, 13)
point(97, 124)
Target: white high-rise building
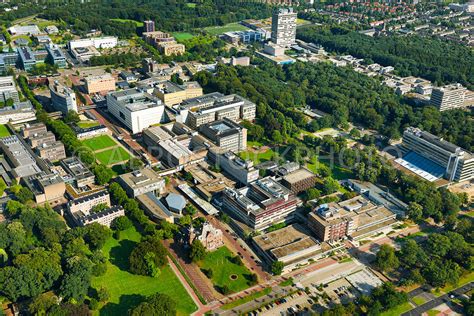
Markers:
point(135, 109)
point(284, 27)
point(448, 97)
point(63, 98)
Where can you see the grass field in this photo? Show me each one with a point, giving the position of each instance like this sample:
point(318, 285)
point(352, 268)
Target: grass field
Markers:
point(112, 156)
point(246, 299)
point(338, 172)
point(217, 30)
point(87, 124)
point(418, 300)
point(99, 142)
point(302, 22)
point(223, 268)
point(191, 5)
point(128, 290)
point(4, 131)
point(182, 36)
point(257, 157)
point(137, 23)
point(398, 310)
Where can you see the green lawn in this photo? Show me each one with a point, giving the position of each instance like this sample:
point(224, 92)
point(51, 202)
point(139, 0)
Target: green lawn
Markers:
point(433, 312)
point(137, 23)
point(302, 22)
point(223, 268)
point(182, 36)
point(257, 157)
point(191, 5)
point(126, 289)
point(418, 300)
point(112, 156)
point(470, 213)
point(87, 124)
point(4, 132)
point(99, 142)
point(397, 311)
point(338, 172)
point(217, 30)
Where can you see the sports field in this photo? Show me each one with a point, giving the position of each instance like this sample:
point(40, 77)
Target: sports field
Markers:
point(217, 30)
point(182, 36)
point(87, 124)
point(112, 156)
point(99, 142)
point(126, 289)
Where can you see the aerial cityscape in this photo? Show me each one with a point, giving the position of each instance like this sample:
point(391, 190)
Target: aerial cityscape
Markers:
point(256, 157)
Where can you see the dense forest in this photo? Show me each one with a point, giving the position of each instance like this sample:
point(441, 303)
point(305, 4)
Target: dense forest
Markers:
point(169, 15)
point(430, 58)
point(343, 93)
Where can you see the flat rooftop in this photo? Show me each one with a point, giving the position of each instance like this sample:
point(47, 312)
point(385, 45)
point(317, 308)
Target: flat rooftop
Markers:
point(140, 178)
point(298, 175)
point(135, 100)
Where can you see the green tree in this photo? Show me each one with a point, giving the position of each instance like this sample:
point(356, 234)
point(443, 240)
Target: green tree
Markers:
point(156, 304)
point(386, 259)
point(415, 211)
point(146, 252)
point(121, 223)
point(198, 251)
point(277, 267)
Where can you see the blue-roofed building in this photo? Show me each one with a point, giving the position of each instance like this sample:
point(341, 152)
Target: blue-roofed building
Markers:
point(56, 56)
point(176, 202)
point(27, 58)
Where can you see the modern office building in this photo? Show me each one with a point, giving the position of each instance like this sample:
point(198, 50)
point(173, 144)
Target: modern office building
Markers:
point(80, 175)
point(22, 162)
point(27, 58)
point(432, 157)
point(8, 60)
point(97, 42)
point(8, 89)
point(52, 151)
point(237, 168)
point(284, 27)
point(226, 134)
point(102, 83)
point(448, 97)
point(32, 129)
point(214, 106)
point(56, 56)
point(142, 181)
point(20, 112)
point(169, 92)
point(259, 205)
point(354, 218)
point(149, 26)
point(63, 98)
point(136, 109)
point(243, 37)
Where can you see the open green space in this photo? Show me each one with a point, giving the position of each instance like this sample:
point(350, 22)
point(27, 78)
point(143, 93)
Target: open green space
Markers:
point(247, 299)
point(112, 156)
point(257, 157)
point(126, 289)
point(231, 27)
point(470, 213)
point(225, 271)
point(338, 172)
point(302, 22)
point(87, 124)
point(465, 279)
point(418, 300)
point(433, 312)
point(4, 132)
point(182, 36)
point(191, 5)
point(137, 23)
point(26, 37)
point(397, 311)
point(99, 142)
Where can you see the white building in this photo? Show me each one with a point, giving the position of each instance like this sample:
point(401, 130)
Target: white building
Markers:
point(448, 97)
point(63, 98)
point(18, 113)
point(284, 27)
point(97, 42)
point(137, 110)
point(8, 89)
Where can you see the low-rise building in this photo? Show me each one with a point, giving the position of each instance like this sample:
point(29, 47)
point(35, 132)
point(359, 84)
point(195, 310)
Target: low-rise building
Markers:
point(32, 129)
point(211, 238)
point(105, 217)
point(354, 218)
point(37, 139)
point(142, 181)
point(82, 206)
point(20, 112)
point(154, 208)
point(171, 93)
point(239, 169)
point(260, 204)
point(291, 245)
point(226, 134)
point(164, 42)
point(56, 56)
point(137, 110)
point(299, 180)
point(22, 162)
point(52, 151)
point(81, 176)
point(214, 106)
point(98, 84)
point(46, 187)
point(8, 89)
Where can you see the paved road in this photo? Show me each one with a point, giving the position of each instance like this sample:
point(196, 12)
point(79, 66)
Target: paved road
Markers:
point(439, 300)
